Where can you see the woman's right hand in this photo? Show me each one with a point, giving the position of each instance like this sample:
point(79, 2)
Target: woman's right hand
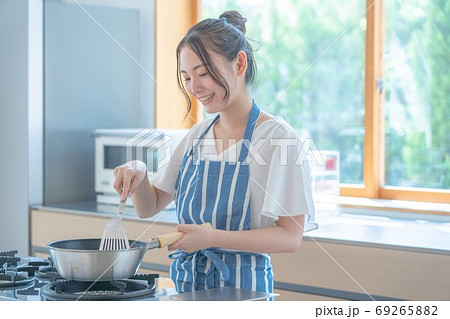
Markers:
point(128, 177)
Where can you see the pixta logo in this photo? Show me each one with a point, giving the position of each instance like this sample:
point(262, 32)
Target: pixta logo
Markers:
point(287, 151)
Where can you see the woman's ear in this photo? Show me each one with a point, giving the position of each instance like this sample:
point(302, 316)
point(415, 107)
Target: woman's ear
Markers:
point(241, 63)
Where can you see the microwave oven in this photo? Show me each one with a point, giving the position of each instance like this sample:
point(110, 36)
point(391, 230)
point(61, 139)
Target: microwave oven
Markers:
point(114, 147)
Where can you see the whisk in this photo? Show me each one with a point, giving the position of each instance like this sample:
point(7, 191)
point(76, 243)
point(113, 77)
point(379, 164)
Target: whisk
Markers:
point(115, 236)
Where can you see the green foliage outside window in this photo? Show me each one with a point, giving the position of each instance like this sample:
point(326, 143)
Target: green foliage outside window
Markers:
point(417, 59)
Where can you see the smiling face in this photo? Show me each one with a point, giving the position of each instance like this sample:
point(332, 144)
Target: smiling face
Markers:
point(200, 84)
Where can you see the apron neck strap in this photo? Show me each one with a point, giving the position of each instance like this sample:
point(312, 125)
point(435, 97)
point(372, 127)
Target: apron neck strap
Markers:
point(251, 124)
point(204, 133)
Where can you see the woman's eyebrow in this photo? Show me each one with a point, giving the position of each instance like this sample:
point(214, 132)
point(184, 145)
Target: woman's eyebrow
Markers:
point(195, 68)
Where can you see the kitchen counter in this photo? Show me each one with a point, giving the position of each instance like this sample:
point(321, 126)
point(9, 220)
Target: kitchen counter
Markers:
point(92, 208)
point(345, 226)
point(389, 257)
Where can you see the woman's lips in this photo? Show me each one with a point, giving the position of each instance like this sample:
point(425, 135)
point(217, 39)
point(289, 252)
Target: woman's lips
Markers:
point(206, 99)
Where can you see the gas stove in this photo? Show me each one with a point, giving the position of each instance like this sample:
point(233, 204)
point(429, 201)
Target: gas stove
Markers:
point(32, 279)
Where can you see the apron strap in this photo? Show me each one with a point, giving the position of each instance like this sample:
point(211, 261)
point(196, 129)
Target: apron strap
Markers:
point(203, 134)
point(250, 127)
point(218, 263)
point(251, 124)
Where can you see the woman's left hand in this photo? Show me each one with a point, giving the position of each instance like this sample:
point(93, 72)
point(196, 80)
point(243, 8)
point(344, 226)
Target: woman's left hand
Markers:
point(196, 237)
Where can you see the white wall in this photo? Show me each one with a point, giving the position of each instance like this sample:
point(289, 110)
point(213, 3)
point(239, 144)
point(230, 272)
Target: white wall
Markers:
point(22, 112)
point(90, 83)
point(20, 93)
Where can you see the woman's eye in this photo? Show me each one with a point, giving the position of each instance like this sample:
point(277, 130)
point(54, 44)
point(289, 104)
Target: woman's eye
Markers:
point(203, 74)
point(187, 79)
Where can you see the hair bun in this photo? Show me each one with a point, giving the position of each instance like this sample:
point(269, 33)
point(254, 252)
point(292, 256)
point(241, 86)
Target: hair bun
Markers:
point(235, 18)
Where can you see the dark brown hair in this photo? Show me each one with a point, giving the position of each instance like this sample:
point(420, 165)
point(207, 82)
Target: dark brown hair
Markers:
point(224, 36)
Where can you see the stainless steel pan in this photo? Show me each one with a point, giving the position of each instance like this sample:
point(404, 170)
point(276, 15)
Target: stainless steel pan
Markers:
point(81, 259)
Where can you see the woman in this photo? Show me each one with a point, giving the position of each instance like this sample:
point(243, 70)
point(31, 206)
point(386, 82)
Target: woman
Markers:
point(234, 171)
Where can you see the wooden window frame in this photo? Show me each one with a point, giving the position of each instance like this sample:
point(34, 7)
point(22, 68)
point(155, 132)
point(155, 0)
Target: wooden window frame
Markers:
point(172, 20)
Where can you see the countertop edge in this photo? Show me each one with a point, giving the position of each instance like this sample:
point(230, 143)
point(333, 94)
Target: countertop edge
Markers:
point(167, 217)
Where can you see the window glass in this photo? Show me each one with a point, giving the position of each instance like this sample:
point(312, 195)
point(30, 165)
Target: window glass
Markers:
point(315, 83)
point(417, 105)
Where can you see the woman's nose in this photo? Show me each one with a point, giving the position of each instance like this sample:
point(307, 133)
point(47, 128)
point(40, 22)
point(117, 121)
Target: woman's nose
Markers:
point(195, 86)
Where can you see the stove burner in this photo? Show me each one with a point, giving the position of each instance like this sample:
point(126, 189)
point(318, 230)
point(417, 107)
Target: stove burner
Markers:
point(28, 269)
point(134, 288)
point(31, 291)
point(8, 253)
point(33, 278)
point(48, 272)
point(14, 280)
point(9, 262)
point(39, 263)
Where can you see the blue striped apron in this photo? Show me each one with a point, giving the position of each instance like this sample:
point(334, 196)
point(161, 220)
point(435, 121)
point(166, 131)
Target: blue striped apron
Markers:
point(218, 192)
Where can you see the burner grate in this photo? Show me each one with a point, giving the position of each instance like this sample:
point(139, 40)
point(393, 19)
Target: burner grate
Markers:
point(9, 259)
point(9, 262)
point(9, 253)
point(113, 287)
point(30, 270)
point(99, 293)
point(13, 279)
point(123, 289)
point(39, 263)
point(49, 273)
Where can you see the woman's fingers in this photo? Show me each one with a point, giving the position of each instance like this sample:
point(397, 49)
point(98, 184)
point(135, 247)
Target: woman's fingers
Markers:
point(126, 183)
point(128, 177)
point(135, 182)
point(196, 237)
point(186, 228)
point(123, 180)
point(119, 180)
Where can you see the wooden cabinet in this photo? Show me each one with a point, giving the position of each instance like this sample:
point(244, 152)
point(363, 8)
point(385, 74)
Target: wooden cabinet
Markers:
point(356, 271)
point(320, 270)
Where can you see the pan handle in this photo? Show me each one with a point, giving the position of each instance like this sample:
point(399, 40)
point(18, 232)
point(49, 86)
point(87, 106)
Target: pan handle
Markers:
point(168, 239)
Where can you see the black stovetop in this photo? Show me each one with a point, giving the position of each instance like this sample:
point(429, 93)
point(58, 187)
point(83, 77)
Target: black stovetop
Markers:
point(34, 279)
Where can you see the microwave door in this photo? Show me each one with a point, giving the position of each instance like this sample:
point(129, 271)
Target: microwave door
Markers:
point(114, 155)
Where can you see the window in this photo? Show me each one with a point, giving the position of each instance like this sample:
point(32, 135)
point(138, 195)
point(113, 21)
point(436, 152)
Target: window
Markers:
point(326, 101)
point(417, 94)
point(321, 66)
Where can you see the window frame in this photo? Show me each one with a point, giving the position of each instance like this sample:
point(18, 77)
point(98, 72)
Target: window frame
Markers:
point(170, 111)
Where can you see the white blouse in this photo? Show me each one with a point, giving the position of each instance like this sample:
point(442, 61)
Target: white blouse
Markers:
point(280, 181)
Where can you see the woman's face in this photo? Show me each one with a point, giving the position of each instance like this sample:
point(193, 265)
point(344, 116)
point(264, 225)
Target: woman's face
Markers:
point(200, 84)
